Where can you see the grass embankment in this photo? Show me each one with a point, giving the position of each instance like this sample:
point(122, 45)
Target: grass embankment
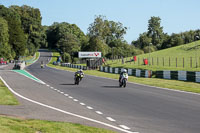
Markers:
point(184, 57)
point(14, 125)
point(164, 83)
point(29, 60)
point(6, 97)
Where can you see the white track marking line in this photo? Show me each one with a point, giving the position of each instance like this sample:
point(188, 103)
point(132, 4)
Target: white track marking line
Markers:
point(125, 127)
point(110, 119)
point(55, 89)
point(75, 100)
point(98, 112)
point(70, 97)
point(62, 92)
point(82, 103)
point(65, 112)
point(66, 95)
point(47, 85)
point(51, 87)
point(89, 107)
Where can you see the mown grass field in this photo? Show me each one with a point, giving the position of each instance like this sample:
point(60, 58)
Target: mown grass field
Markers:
point(184, 57)
point(164, 83)
point(17, 125)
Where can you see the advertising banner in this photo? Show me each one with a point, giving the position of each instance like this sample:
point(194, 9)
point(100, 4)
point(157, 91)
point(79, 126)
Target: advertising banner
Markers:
point(89, 54)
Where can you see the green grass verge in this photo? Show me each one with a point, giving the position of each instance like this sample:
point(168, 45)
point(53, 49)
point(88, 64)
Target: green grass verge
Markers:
point(6, 97)
point(186, 57)
point(164, 83)
point(15, 125)
point(37, 56)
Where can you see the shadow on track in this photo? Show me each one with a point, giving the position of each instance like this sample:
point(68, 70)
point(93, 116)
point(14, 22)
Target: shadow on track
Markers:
point(111, 86)
point(67, 84)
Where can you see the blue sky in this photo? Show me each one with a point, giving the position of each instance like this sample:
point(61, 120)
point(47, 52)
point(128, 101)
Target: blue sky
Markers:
point(176, 15)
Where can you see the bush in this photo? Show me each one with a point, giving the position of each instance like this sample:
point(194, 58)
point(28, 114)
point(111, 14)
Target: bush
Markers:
point(66, 57)
point(150, 49)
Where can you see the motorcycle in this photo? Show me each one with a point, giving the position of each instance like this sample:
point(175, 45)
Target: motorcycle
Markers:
point(78, 78)
point(42, 65)
point(123, 80)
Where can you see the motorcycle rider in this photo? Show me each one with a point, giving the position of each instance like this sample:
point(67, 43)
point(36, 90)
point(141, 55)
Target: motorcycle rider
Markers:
point(79, 72)
point(42, 64)
point(121, 74)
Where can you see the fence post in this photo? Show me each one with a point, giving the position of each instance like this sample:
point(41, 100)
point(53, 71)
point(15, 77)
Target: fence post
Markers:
point(152, 61)
point(199, 61)
point(163, 61)
point(138, 61)
point(157, 61)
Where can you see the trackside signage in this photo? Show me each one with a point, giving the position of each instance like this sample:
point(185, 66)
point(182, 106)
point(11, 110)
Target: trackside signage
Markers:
point(89, 54)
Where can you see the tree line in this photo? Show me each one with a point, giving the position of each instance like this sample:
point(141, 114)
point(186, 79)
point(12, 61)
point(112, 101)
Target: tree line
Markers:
point(155, 39)
point(103, 35)
point(22, 34)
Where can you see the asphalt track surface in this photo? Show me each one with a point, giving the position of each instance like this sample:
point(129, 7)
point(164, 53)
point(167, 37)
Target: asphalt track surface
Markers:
point(141, 108)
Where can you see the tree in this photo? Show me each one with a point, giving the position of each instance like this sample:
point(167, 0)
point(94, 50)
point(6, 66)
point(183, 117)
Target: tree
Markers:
point(144, 40)
point(104, 35)
point(96, 44)
point(17, 38)
point(69, 44)
point(155, 31)
point(58, 30)
point(31, 25)
point(5, 50)
point(176, 40)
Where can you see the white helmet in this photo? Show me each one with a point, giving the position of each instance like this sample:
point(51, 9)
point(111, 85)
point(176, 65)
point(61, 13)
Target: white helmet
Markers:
point(125, 71)
point(81, 70)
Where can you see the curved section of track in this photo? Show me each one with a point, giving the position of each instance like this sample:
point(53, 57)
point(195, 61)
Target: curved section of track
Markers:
point(141, 108)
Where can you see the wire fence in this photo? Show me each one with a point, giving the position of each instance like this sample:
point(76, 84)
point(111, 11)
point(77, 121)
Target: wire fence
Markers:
point(175, 62)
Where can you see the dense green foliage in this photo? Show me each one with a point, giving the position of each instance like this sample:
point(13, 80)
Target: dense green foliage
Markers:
point(108, 37)
point(21, 31)
point(156, 39)
point(68, 38)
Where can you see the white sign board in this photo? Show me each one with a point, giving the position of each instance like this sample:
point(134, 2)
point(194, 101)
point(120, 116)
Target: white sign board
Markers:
point(89, 54)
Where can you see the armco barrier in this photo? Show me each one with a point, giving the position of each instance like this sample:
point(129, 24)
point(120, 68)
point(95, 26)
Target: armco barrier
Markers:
point(179, 75)
point(74, 66)
point(131, 72)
